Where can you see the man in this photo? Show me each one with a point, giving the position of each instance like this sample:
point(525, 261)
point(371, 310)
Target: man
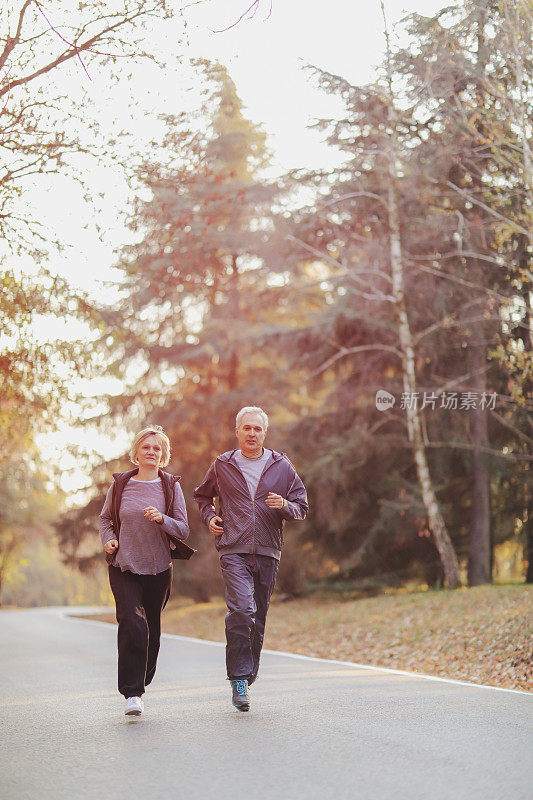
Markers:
point(258, 489)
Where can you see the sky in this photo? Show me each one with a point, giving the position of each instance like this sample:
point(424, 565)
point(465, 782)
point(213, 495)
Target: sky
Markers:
point(265, 56)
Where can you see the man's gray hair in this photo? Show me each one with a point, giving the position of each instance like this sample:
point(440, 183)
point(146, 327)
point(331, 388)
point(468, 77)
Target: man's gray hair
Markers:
point(252, 410)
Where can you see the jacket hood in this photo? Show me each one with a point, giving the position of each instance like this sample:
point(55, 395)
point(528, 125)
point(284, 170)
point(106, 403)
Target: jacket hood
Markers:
point(228, 454)
point(130, 473)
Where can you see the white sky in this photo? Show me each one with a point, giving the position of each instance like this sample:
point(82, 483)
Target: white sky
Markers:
point(264, 57)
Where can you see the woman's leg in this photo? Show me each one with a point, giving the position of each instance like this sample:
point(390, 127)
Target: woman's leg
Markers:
point(156, 591)
point(132, 631)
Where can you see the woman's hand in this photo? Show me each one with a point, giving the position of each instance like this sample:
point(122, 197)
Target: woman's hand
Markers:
point(111, 546)
point(153, 514)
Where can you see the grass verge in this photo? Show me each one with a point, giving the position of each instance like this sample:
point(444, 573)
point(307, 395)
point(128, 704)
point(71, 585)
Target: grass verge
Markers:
point(481, 635)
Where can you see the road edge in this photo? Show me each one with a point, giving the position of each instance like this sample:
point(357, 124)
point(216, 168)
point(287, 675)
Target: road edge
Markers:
point(388, 670)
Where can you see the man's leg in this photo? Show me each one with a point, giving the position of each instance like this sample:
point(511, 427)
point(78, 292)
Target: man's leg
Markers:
point(132, 631)
point(239, 581)
point(264, 582)
point(156, 591)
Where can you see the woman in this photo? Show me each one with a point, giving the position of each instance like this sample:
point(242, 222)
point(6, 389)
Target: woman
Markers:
point(143, 518)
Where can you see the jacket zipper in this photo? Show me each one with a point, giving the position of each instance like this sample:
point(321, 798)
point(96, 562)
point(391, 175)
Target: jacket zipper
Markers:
point(253, 524)
point(252, 499)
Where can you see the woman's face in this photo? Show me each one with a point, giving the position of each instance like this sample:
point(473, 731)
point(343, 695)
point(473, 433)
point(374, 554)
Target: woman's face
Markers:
point(149, 452)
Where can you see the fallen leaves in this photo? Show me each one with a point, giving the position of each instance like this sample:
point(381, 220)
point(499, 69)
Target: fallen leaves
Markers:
point(481, 635)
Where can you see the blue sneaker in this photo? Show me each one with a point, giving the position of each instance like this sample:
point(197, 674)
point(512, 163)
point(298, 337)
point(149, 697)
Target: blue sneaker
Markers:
point(240, 699)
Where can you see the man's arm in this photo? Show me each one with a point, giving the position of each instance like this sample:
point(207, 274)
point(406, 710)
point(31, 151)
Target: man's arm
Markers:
point(205, 493)
point(296, 505)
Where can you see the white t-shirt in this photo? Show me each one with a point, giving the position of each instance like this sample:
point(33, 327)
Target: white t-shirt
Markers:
point(252, 468)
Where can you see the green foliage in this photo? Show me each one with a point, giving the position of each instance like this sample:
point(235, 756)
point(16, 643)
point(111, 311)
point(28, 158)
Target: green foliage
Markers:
point(41, 579)
point(457, 195)
point(195, 305)
point(26, 505)
point(41, 133)
point(35, 379)
point(237, 293)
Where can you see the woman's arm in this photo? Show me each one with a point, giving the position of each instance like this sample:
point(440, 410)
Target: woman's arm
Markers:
point(177, 524)
point(105, 521)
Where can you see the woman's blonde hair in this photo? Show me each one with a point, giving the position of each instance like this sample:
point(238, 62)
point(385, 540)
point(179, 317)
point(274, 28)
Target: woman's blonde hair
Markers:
point(162, 438)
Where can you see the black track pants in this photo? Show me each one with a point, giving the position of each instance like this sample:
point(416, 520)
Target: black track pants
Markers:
point(139, 601)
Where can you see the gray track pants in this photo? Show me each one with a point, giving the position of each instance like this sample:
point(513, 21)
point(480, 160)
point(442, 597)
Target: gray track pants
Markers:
point(249, 581)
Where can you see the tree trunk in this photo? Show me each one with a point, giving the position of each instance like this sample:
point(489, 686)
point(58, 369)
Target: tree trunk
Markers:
point(518, 37)
point(529, 541)
point(437, 525)
point(235, 306)
point(479, 556)
point(528, 387)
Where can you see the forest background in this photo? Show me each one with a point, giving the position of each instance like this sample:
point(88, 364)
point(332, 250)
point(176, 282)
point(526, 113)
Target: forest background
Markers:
point(378, 309)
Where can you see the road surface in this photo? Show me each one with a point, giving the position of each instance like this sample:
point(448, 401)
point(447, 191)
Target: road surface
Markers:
point(316, 730)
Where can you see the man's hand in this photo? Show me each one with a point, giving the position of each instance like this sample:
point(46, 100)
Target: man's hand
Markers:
point(111, 546)
point(275, 500)
point(216, 526)
point(153, 514)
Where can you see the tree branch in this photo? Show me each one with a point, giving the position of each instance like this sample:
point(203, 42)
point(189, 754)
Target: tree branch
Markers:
point(511, 427)
point(327, 257)
point(354, 195)
point(487, 208)
point(461, 282)
point(11, 43)
point(448, 322)
point(234, 25)
point(62, 39)
point(347, 351)
point(68, 54)
point(464, 446)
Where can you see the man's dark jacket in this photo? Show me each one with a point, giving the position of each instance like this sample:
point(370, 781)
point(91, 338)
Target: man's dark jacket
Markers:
point(250, 526)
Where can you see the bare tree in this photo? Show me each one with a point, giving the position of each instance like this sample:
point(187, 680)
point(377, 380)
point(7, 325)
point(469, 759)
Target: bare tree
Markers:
point(37, 41)
point(437, 525)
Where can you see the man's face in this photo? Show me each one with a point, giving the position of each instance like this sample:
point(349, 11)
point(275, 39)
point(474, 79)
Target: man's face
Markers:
point(251, 435)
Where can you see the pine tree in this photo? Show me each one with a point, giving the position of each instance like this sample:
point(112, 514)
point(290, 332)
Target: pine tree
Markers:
point(188, 335)
point(459, 70)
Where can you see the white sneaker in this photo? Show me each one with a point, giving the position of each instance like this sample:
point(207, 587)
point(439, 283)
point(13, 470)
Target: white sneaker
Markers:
point(134, 706)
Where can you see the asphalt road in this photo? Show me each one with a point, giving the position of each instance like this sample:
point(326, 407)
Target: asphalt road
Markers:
point(315, 729)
